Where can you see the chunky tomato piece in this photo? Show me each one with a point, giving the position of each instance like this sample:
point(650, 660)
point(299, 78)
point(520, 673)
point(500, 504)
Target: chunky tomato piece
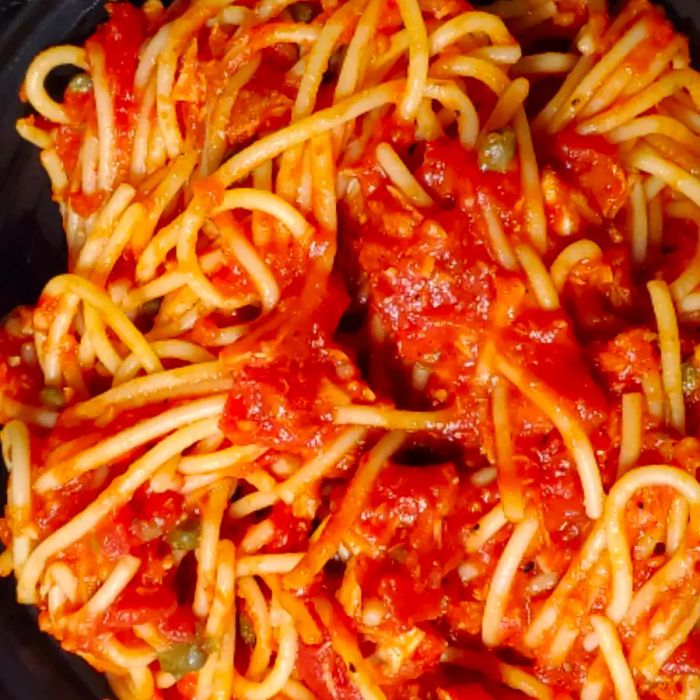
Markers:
point(686, 658)
point(324, 672)
point(137, 605)
point(625, 360)
point(547, 465)
point(602, 296)
point(186, 687)
point(114, 541)
point(60, 506)
point(19, 380)
point(544, 342)
point(409, 503)
point(291, 533)
point(427, 655)
point(454, 175)
point(261, 108)
point(410, 593)
point(121, 38)
point(594, 164)
point(154, 514)
point(180, 626)
point(280, 397)
point(279, 402)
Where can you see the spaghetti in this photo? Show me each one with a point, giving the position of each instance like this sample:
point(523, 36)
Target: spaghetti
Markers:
point(374, 372)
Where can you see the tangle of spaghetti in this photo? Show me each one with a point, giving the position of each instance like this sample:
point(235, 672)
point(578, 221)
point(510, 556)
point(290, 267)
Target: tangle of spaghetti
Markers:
point(373, 372)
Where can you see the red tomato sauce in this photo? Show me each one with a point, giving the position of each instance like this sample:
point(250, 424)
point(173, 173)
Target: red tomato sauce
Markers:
point(121, 38)
point(425, 283)
point(593, 164)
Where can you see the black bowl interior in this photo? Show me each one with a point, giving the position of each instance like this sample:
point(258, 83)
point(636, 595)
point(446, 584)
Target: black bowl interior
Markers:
point(32, 249)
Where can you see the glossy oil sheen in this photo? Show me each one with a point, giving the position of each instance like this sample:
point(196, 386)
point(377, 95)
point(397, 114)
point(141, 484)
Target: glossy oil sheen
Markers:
point(32, 667)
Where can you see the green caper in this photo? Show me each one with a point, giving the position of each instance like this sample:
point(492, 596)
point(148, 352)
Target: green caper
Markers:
point(497, 150)
point(185, 536)
point(690, 378)
point(52, 396)
point(302, 11)
point(181, 659)
point(246, 630)
point(150, 308)
point(80, 83)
